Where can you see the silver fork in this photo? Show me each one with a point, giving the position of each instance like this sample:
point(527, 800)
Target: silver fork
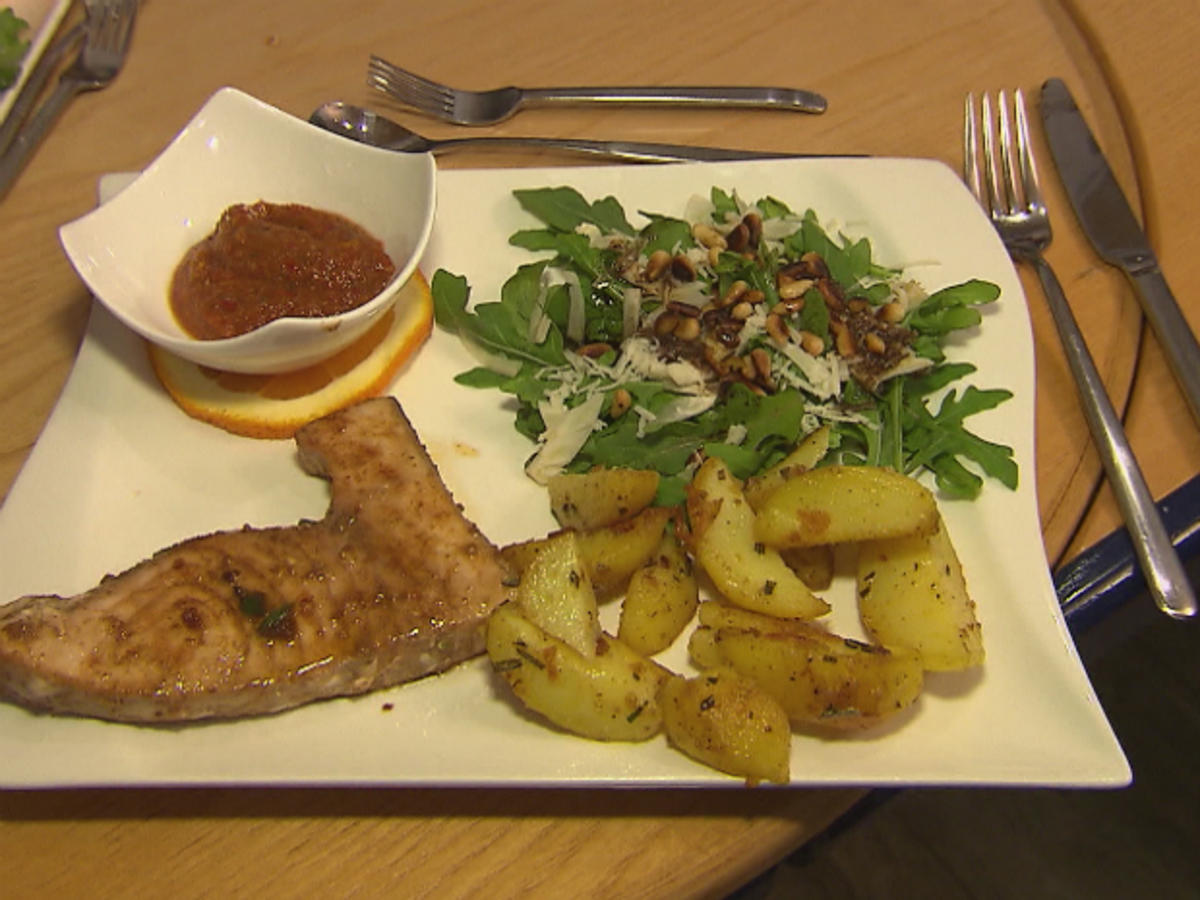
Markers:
point(489, 107)
point(1010, 192)
point(109, 26)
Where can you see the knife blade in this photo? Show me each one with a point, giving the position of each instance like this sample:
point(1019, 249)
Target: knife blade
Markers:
point(1109, 224)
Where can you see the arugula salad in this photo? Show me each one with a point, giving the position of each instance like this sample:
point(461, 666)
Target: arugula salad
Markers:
point(731, 330)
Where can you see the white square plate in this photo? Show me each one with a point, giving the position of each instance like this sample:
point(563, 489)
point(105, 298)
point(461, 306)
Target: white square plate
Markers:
point(120, 472)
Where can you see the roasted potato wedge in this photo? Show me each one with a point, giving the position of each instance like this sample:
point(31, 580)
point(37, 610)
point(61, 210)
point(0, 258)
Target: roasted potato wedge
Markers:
point(726, 721)
point(610, 554)
point(518, 557)
point(556, 594)
point(661, 599)
point(718, 615)
point(823, 680)
point(810, 451)
point(839, 504)
point(912, 595)
point(613, 553)
point(722, 539)
point(600, 497)
point(702, 647)
point(814, 565)
point(612, 696)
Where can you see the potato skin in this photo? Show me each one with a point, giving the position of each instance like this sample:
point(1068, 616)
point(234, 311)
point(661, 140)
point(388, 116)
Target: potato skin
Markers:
point(612, 696)
point(611, 554)
point(822, 680)
point(804, 457)
point(556, 594)
point(745, 571)
point(912, 596)
point(661, 599)
point(726, 721)
point(843, 504)
point(601, 497)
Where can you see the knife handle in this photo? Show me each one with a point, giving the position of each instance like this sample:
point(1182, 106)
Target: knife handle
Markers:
point(1165, 576)
point(1172, 330)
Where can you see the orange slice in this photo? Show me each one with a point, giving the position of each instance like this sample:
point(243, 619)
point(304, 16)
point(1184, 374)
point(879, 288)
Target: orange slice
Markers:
point(274, 406)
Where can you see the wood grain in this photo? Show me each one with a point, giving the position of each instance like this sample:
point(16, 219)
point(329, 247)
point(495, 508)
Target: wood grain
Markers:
point(895, 75)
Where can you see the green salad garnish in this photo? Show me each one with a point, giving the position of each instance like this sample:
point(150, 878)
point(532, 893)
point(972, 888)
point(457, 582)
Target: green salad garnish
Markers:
point(732, 331)
point(12, 45)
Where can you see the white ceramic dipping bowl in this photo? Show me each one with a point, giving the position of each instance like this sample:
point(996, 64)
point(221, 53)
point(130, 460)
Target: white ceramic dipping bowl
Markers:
point(240, 150)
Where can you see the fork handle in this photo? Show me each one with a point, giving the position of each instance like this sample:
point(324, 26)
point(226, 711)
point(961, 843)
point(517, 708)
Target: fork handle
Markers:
point(1165, 576)
point(736, 97)
point(31, 134)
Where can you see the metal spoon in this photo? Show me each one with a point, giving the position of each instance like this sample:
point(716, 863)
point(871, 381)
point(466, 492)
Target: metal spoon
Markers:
point(367, 127)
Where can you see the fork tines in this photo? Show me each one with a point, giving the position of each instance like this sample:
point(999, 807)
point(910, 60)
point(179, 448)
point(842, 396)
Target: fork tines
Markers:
point(1007, 184)
point(407, 87)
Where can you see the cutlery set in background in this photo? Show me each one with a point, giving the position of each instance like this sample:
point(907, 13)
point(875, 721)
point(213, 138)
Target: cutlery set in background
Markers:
point(101, 40)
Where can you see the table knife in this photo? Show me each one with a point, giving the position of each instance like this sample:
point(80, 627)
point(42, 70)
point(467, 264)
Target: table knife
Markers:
point(1109, 223)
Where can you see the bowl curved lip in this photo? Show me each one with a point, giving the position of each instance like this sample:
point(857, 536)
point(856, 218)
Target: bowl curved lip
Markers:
point(238, 353)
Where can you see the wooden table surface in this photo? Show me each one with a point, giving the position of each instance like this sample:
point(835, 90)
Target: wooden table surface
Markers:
point(895, 75)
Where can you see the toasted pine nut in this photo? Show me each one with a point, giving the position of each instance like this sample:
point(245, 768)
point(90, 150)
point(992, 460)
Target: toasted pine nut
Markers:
point(789, 307)
point(742, 311)
point(812, 344)
point(656, 265)
point(683, 309)
point(714, 255)
point(708, 236)
point(594, 350)
point(777, 329)
point(736, 291)
point(753, 222)
point(790, 289)
point(687, 329)
point(738, 238)
point(620, 403)
point(762, 362)
point(665, 323)
point(891, 312)
point(874, 344)
point(683, 268)
point(843, 339)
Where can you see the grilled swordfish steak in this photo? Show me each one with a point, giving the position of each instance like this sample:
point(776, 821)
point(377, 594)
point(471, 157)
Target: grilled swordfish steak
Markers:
point(393, 584)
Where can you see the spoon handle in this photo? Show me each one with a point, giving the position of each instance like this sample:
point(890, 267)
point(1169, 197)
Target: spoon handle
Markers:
point(633, 151)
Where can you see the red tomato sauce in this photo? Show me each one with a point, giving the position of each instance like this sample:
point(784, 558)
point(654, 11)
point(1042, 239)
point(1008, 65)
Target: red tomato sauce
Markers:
point(265, 261)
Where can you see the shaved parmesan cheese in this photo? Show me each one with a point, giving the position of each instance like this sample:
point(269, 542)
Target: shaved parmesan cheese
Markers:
point(566, 432)
point(817, 375)
point(631, 310)
point(640, 356)
point(685, 406)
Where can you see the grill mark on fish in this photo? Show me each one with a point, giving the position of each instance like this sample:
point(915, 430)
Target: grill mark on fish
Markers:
point(394, 583)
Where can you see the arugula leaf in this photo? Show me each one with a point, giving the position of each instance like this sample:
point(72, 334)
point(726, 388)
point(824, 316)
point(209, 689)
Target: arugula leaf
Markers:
point(12, 47)
point(724, 204)
point(499, 327)
point(952, 308)
point(772, 208)
point(666, 233)
point(564, 208)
